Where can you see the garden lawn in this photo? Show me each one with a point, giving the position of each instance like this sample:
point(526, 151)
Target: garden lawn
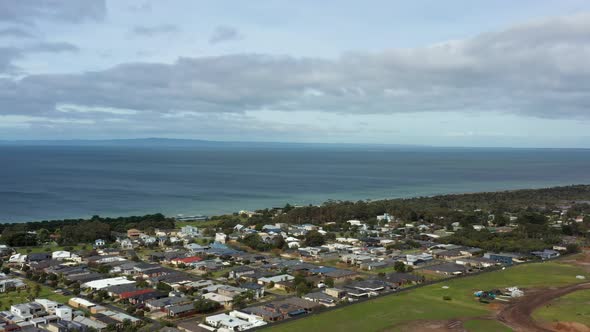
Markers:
point(426, 303)
point(572, 307)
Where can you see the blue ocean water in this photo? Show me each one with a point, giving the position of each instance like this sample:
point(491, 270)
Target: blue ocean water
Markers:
point(50, 182)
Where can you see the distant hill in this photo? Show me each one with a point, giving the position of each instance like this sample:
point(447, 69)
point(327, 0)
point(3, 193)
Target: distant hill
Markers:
point(173, 142)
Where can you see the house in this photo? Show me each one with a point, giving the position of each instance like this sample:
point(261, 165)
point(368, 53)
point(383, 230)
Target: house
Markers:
point(340, 274)
point(37, 257)
point(99, 243)
point(449, 254)
point(321, 298)
point(365, 288)
point(186, 260)
point(133, 233)
point(385, 217)
point(335, 292)
point(477, 262)
point(257, 289)
point(220, 237)
point(370, 266)
point(164, 302)
point(17, 258)
point(282, 277)
point(418, 259)
point(64, 313)
point(61, 255)
point(189, 231)
point(48, 305)
point(240, 271)
point(446, 268)
point(7, 285)
point(108, 282)
point(181, 310)
point(504, 258)
point(400, 279)
point(90, 323)
point(78, 302)
point(126, 244)
point(546, 254)
point(234, 321)
point(225, 301)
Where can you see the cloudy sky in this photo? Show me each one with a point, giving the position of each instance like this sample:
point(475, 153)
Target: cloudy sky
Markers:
point(460, 73)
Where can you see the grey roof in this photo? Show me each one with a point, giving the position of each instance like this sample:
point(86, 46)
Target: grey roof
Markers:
point(166, 301)
point(339, 273)
point(446, 267)
point(320, 297)
point(177, 309)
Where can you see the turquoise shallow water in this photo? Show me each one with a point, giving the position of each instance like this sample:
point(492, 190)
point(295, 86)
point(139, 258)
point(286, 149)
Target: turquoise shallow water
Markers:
point(48, 182)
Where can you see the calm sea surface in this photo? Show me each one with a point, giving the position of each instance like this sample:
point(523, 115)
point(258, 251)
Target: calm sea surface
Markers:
point(38, 183)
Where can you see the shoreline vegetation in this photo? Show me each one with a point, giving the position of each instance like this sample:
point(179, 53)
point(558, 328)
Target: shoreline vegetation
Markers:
point(497, 209)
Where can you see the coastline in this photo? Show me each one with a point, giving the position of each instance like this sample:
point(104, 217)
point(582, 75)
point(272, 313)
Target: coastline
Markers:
point(318, 203)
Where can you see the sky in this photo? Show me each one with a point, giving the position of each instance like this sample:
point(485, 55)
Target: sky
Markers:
point(441, 73)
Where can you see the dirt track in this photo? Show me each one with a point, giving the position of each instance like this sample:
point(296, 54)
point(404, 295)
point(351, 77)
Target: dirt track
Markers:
point(517, 315)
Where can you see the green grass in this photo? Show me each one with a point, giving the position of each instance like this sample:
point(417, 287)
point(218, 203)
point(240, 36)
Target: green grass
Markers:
point(572, 307)
point(221, 272)
point(483, 325)
point(22, 296)
point(426, 303)
point(49, 248)
point(199, 224)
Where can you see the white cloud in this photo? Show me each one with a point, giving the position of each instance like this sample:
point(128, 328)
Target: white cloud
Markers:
point(73, 108)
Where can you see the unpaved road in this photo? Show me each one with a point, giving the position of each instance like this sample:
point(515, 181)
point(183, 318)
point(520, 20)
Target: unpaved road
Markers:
point(517, 315)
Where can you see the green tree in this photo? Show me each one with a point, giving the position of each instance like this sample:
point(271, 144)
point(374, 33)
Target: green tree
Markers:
point(314, 238)
point(399, 267)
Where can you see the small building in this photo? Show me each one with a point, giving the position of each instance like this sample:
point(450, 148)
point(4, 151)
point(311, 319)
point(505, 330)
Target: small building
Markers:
point(108, 282)
point(224, 300)
point(282, 277)
point(321, 298)
point(504, 258)
point(446, 268)
point(78, 302)
point(133, 233)
point(546, 254)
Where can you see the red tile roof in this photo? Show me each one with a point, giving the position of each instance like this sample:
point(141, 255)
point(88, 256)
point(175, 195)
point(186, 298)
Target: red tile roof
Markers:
point(188, 260)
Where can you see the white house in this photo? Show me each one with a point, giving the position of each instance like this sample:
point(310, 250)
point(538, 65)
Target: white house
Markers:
point(220, 237)
point(65, 313)
point(126, 244)
point(417, 259)
point(234, 321)
point(385, 217)
point(275, 279)
point(189, 231)
point(17, 258)
point(49, 305)
point(99, 243)
point(61, 255)
point(104, 283)
point(221, 299)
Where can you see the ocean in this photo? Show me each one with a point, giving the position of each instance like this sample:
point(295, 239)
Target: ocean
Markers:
point(55, 182)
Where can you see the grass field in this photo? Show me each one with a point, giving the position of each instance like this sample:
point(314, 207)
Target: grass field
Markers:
point(199, 224)
point(426, 303)
point(6, 299)
point(483, 325)
point(572, 307)
point(49, 248)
